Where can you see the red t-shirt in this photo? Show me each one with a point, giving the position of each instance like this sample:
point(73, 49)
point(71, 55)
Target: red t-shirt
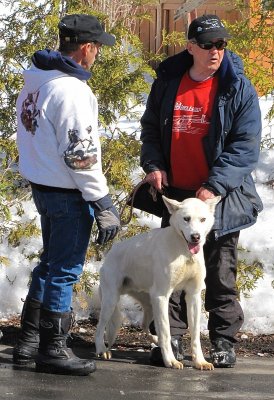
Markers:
point(191, 119)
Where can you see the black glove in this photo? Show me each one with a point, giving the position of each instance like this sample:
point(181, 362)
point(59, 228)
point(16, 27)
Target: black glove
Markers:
point(107, 219)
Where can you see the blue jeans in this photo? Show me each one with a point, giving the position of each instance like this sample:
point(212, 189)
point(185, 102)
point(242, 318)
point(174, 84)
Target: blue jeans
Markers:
point(66, 222)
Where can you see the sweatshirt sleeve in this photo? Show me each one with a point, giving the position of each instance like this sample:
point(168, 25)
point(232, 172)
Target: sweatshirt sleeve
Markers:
point(76, 126)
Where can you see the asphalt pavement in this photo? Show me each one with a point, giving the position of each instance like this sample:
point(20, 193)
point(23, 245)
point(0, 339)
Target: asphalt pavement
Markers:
point(130, 376)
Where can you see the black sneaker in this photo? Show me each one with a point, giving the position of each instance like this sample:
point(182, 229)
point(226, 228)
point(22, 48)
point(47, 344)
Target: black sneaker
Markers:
point(156, 358)
point(222, 354)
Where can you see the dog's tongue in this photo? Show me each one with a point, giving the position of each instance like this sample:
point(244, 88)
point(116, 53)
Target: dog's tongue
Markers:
point(194, 248)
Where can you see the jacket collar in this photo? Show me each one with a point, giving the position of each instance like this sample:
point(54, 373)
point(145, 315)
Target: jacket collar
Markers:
point(175, 67)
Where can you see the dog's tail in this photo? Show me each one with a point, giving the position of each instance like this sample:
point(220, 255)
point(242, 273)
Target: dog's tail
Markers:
point(113, 326)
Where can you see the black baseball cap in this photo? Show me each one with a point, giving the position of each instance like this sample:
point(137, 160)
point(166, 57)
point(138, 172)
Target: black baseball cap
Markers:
point(207, 27)
point(83, 28)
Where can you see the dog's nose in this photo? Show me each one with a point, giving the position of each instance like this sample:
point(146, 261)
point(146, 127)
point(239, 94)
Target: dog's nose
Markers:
point(195, 237)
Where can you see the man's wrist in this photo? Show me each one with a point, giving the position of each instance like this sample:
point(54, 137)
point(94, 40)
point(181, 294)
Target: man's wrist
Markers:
point(102, 204)
point(210, 189)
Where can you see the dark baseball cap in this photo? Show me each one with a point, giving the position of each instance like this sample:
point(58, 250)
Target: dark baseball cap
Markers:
point(83, 28)
point(207, 27)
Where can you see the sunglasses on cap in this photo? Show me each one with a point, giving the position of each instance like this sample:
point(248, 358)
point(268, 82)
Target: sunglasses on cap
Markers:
point(220, 45)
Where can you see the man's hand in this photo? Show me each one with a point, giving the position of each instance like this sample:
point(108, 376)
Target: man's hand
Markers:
point(107, 219)
point(204, 194)
point(157, 179)
point(108, 223)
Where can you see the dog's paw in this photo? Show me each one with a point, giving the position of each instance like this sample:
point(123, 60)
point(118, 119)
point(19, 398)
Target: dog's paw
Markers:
point(153, 338)
point(204, 366)
point(105, 355)
point(175, 364)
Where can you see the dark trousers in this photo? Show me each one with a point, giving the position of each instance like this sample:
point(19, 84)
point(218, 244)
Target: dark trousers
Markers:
point(225, 313)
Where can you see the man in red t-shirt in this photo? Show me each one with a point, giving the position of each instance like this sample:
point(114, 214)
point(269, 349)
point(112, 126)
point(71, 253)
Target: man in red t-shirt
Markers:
point(201, 138)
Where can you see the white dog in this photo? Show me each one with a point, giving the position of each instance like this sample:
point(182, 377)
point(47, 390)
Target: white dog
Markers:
point(149, 267)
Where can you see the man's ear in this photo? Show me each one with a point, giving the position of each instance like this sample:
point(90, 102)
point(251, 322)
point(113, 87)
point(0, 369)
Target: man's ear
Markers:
point(189, 47)
point(85, 49)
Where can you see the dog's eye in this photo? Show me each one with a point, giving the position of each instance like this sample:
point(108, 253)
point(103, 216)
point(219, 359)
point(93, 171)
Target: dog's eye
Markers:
point(202, 219)
point(187, 219)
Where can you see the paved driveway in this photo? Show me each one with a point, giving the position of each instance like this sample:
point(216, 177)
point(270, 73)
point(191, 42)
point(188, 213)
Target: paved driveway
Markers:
point(129, 376)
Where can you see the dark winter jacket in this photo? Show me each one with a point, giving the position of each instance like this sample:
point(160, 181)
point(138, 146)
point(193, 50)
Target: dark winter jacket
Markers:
point(231, 146)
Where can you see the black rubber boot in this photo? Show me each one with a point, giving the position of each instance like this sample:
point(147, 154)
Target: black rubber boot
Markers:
point(222, 353)
point(27, 347)
point(156, 357)
point(53, 355)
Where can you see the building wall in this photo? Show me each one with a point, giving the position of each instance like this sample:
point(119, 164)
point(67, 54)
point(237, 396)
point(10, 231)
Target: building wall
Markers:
point(162, 17)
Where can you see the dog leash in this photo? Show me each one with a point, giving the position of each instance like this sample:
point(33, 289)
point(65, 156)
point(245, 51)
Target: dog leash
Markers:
point(130, 198)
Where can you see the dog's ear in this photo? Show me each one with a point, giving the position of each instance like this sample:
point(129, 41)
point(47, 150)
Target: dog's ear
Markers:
point(172, 205)
point(213, 202)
